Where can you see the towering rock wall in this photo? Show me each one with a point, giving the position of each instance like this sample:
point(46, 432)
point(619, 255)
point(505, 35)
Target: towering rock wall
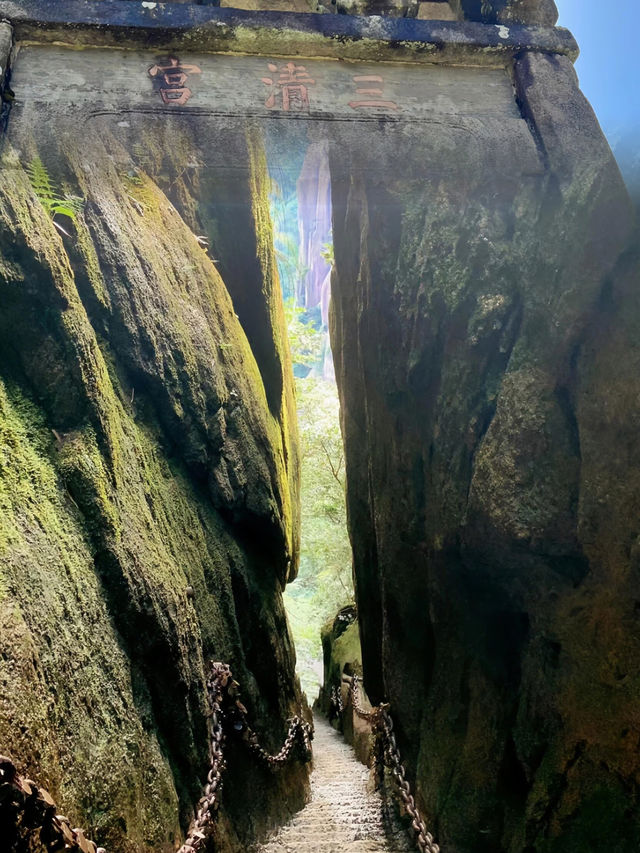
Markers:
point(485, 331)
point(148, 462)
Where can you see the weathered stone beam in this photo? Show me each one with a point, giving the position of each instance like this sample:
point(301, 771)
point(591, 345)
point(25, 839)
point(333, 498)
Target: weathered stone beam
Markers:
point(122, 23)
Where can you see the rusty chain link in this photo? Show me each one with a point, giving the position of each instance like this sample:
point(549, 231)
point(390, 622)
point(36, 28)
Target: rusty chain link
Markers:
point(220, 680)
point(297, 728)
point(32, 808)
point(386, 752)
point(336, 701)
point(223, 693)
point(424, 838)
point(372, 715)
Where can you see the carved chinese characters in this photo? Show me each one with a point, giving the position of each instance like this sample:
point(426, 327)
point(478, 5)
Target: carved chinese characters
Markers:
point(290, 87)
point(289, 90)
point(371, 86)
point(172, 76)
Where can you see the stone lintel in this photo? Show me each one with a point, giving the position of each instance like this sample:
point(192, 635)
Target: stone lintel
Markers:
point(186, 27)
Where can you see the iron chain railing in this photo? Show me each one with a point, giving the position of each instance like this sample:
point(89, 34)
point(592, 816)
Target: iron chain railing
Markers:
point(386, 753)
point(31, 808)
point(219, 681)
point(34, 809)
point(336, 701)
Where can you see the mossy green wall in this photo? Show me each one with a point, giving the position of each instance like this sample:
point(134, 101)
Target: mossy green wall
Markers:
point(139, 456)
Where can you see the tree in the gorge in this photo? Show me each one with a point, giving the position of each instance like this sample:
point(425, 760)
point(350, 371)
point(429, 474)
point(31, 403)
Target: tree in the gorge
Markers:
point(324, 583)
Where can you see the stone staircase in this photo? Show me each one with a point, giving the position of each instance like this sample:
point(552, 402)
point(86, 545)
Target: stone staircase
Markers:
point(344, 814)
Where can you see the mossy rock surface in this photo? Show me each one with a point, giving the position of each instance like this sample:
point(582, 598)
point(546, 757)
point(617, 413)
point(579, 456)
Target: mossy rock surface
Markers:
point(343, 657)
point(148, 492)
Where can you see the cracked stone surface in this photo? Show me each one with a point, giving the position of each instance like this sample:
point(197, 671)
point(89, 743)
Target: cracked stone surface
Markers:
point(345, 814)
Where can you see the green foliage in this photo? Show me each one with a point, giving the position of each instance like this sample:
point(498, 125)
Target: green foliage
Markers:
point(305, 341)
point(327, 254)
point(288, 257)
point(324, 583)
point(49, 194)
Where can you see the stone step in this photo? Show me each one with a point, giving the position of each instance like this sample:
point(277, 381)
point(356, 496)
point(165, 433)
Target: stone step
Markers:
point(344, 814)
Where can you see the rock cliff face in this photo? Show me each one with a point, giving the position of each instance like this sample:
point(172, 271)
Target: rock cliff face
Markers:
point(342, 656)
point(485, 331)
point(340, 651)
point(148, 488)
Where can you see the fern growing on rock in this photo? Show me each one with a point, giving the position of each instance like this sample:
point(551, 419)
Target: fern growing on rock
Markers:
point(49, 194)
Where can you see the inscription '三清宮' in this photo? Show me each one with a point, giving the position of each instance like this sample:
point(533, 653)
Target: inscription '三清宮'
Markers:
point(258, 86)
point(288, 87)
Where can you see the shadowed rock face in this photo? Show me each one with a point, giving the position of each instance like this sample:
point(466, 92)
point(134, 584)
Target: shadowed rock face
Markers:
point(147, 445)
point(485, 334)
point(541, 12)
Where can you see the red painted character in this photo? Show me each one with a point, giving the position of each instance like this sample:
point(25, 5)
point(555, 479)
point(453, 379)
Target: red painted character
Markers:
point(172, 76)
point(289, 91)
point(371, 86)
